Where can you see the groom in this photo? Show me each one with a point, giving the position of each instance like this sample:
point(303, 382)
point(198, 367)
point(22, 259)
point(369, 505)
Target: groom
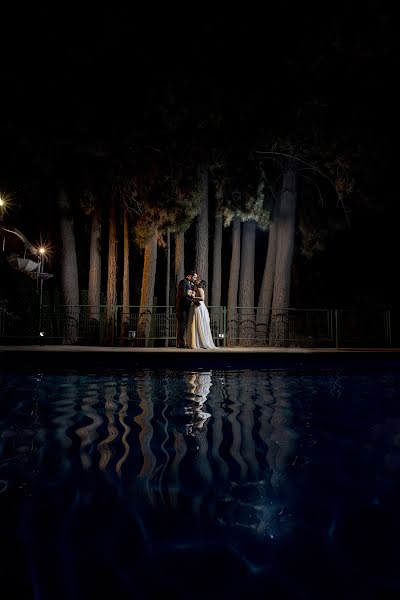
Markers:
point(183, 303)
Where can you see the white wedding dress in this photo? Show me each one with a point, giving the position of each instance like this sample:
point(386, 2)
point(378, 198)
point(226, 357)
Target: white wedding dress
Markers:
point(198, 329)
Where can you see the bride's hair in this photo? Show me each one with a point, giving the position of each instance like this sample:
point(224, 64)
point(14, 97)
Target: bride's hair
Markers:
point(202, 284)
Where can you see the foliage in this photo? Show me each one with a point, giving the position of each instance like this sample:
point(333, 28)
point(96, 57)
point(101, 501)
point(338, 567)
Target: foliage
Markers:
point(245, 193)
point(170, 197)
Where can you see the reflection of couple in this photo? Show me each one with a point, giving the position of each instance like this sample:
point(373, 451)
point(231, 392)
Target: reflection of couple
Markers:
point(192, 317)
point(199, 385)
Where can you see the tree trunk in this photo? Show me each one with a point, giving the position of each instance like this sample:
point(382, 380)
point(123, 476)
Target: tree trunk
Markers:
point(167, 289)
point(202, 231)
point(267, 287)
point(246, 287)
point(179, 257)
point(147, 293)
point(234, 283)
point(69, 269)
point(125, 317)
point(284, 257)
point(94, 285)
point(112, 272)
point(217, 250)
point(216, 280)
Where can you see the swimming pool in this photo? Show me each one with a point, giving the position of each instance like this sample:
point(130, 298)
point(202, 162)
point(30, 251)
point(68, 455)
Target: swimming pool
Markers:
point(200, 483)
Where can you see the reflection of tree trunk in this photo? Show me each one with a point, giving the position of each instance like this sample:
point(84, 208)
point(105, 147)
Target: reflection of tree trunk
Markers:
point(112, 271)
point(215, 400)
point(94, 287)
point(180, 450)
point(236, 446)
point(105, 446)
point(69, 268)
point(284, 256)
point(202, 230)
point(234, 283)
point(125, 284)
point(88, 433)
point(267, 286)
point(283, 438)
point(264, 402)
point(123, 401)
point(144, 420)
point(62, 426)
point(202, 468)
point(246, 419)
point(246, 287)
point(147, 293)
point(164, 427)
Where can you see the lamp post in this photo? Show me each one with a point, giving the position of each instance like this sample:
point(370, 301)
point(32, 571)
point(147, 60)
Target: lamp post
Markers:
point(2, 207)
point(42, 254)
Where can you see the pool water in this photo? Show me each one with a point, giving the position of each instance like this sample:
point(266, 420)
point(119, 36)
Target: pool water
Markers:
point(204, 484)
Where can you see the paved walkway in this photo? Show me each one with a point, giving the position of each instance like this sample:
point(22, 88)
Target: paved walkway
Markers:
point(242, 350)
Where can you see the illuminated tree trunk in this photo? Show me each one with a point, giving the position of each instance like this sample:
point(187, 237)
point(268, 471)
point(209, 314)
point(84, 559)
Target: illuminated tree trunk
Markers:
point(125, 282)
point(94, 286)
point(217, 252)
point(202, 231)
point(147, 293)
point(179, 257)
point(168, 277)
point(286, 221)
point(168, 289)
point(246, 286)
point(112, 271)
point(267, 287)
point(69, 269)
point(234, 283)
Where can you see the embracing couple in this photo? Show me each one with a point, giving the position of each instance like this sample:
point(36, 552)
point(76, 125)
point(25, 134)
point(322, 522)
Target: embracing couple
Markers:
point(192, 318)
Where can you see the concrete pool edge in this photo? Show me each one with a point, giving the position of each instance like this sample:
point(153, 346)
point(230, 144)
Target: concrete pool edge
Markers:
point(82, 357)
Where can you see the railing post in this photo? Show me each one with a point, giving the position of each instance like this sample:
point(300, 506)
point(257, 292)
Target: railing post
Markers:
point(388, 329)
point(115, 332)
point(330, 325)
point(337, 328)
point(224, 325)
point(167, 320)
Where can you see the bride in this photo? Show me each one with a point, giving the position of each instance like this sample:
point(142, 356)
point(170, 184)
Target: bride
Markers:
point(198, 329)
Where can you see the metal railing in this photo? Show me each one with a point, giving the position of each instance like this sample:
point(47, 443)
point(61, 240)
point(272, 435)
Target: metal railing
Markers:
point(233, 327)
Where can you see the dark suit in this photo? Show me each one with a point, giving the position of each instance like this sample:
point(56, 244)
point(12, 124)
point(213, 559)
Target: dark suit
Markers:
point(183, 304)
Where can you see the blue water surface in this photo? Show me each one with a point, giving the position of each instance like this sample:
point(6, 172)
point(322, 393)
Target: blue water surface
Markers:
point(205, 484)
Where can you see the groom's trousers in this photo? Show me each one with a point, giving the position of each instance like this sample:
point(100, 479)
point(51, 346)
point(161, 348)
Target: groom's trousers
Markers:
point(181, 323)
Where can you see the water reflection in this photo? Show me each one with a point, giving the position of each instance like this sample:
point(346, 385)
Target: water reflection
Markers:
point(199, 436)
point(198, 386)
point(158, 460)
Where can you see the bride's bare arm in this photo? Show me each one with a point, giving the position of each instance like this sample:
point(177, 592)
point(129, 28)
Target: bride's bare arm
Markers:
point(200, 296)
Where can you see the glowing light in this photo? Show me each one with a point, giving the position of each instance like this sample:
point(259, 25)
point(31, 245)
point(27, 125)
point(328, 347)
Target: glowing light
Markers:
point(5, 202)
point(43, 249)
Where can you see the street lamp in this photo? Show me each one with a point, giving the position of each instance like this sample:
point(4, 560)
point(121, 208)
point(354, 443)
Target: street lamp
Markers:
point(4, 205)
point(1, 217)
point(41, 253)
point(2, 208)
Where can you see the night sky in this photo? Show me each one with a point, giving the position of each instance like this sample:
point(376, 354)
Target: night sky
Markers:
point(117, 80)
